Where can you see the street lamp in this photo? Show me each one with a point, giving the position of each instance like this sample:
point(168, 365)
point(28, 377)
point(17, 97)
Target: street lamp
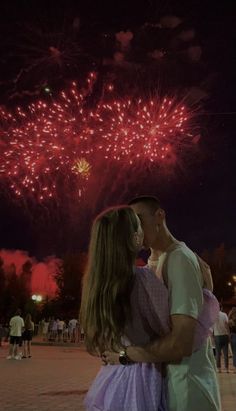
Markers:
point(37, 298)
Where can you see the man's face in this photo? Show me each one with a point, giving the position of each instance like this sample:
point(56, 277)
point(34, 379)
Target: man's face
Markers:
point(149, 224)
point(139, 234)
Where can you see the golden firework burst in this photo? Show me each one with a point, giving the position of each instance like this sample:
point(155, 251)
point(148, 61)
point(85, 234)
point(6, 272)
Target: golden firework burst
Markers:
point(82, 167)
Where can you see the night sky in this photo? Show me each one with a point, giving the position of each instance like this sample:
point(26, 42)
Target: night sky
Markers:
point(191, 53)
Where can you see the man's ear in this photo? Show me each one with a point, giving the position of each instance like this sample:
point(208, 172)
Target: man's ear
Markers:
point(160, 215)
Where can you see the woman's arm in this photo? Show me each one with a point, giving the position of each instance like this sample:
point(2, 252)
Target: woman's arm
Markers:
point(206, 274)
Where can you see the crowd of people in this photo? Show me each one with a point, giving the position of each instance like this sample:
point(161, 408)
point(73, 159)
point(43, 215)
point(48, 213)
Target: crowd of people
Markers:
point(223, 334)
point(19, 333)
point(61, 330)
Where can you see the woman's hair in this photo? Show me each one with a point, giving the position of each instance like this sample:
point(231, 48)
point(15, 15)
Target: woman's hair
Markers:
point(109, 278)
point(28, 322)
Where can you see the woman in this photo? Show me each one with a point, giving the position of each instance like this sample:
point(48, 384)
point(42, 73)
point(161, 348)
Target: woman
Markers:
point(122, 305)
point(232, 327)
point(27, 336)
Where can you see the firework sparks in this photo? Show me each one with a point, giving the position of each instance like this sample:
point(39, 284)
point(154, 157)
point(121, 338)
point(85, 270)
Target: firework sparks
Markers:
point(53, 146)
point(145, 130)
point(40, 143)
point(82, 167)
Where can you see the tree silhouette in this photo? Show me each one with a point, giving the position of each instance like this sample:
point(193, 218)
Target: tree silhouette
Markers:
point(69, 281)
point(2, 287)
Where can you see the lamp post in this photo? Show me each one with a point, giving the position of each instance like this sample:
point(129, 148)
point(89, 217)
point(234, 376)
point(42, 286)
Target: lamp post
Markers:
point(37, 298)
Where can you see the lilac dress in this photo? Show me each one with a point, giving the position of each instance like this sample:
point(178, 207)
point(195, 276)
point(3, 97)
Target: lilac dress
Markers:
point(140, 386)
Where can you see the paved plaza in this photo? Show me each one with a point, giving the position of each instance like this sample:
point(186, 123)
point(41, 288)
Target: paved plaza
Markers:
point(57, 378)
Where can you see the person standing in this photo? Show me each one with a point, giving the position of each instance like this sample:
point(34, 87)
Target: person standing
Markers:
point(54, 330)
point(16, 327)
point(232, 328)
point(66, 332)
point(45, 329)
point(221, 336)
point(72, 329)
point(27, 336)
point(60, 329)
point(81, 334)
point(191, 376)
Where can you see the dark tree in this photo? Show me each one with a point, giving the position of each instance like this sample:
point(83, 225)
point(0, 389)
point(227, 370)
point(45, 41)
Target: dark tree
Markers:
point(26, 275)
point(2, 287)
point(69, 280)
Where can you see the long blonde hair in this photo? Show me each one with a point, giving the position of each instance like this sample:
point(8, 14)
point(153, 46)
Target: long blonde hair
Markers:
point(109, 278)
point(28, 322)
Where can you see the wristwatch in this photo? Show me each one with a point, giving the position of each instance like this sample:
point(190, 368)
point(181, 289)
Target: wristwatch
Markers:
point(123, 358)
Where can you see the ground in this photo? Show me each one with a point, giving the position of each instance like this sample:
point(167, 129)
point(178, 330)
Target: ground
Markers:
point(57, 378)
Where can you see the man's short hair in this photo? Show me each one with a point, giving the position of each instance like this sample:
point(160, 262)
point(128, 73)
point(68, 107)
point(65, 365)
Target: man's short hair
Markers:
point(151, 202)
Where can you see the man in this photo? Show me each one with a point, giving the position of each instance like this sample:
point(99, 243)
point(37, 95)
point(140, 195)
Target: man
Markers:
point(222, 337)
point(60, 328)
point(16, 327)
point(72, 329)
point(192, 383)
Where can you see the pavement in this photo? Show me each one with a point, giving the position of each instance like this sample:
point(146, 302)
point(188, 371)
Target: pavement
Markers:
point(57, 378)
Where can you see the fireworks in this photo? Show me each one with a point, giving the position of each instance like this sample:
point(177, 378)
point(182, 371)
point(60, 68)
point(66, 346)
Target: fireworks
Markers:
point(41, 143)
point(82, 167)
point(145, 130)
point(54, 146)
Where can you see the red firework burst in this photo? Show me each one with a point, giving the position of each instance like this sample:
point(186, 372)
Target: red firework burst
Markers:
point(143, 130)
point(42, 145)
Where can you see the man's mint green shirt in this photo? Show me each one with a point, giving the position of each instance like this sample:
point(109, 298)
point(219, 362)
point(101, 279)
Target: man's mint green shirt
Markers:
point(192, 384)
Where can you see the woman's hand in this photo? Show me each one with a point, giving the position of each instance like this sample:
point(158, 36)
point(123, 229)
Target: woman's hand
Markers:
point(110, 357)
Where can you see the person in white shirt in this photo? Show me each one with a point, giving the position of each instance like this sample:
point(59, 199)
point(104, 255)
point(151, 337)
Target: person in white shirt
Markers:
point(45, 329)
point(72, 329)
point(221, 336)
point(60, 328)
point(16, 327)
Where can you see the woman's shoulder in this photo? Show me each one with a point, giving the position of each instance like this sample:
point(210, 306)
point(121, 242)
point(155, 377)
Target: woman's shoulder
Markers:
point(144, 272)
point(147, 277)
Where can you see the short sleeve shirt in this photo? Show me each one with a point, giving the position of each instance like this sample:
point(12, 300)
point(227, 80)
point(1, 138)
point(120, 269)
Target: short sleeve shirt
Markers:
point(16, 325)
point(192, 384)
point(184, 283)
point(221, 326)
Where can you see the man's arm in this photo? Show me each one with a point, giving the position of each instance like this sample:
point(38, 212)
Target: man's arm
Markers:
point(171, 348)
point(185, 296)
point(186, 301)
